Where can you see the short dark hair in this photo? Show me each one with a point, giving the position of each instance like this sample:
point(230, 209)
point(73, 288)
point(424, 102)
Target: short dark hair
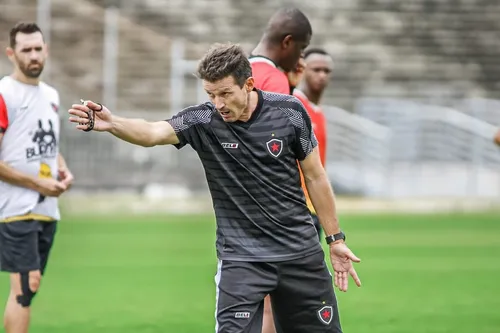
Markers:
point(222, 60)
point(25, 28)
point(288, 21)
point(315, 50)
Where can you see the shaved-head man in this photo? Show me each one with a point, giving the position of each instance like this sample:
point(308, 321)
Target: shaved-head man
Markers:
point(275, 60)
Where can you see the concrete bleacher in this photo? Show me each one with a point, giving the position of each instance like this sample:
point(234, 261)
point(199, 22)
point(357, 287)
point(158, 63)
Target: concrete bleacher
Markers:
point(425, 50)
point(435, 52)
point(77, 54)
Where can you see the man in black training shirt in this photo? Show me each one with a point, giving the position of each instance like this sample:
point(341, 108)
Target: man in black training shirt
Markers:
point(248, 142)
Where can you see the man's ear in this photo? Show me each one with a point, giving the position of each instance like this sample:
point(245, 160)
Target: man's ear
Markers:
point(250, 84)
point(9, 52)
point(285, 43)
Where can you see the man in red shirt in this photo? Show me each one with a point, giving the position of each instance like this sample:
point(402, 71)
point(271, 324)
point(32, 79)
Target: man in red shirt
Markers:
point(276, 67)
point(275, 60)
point(318, 67)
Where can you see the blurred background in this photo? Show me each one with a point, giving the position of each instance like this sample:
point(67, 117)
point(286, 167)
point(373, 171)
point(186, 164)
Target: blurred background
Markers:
point(412, 108)
point(412, 105)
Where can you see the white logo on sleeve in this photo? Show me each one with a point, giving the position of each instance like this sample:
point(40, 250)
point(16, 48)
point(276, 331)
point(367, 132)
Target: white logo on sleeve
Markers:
point(243, 315)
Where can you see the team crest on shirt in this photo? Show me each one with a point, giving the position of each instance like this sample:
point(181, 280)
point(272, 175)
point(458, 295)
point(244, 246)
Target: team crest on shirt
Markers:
point(274, 147)
point(325, 314)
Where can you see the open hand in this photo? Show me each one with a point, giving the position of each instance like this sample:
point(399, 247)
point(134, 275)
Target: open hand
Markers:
point(342, 259)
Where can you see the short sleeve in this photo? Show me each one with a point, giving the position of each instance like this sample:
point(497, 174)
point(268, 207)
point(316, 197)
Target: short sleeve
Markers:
point(305, 140)
point(276, 83)
point(189, 125)
point(4, 118)
point(269, 78)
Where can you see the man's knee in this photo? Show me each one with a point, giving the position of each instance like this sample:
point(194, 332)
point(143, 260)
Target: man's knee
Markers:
point(26, 287)
point(34, 278)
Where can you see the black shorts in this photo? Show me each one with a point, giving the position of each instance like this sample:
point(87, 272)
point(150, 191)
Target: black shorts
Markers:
point(302, 296)
point(25, 245)
point(317, 225)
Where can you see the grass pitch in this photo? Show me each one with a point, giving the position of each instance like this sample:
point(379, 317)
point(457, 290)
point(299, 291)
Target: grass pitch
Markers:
point(151, 274)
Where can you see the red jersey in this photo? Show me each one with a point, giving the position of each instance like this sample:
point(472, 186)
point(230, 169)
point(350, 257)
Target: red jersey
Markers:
point(268, 76)
point(318, 122)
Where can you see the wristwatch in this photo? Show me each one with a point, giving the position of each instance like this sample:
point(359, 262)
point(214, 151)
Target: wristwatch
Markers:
point(336, 237)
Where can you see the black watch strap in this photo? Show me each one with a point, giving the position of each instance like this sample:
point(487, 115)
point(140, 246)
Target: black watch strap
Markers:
point(332, 238)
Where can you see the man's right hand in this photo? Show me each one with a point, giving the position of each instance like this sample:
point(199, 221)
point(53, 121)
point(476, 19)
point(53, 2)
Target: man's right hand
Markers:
point(102, 120)
point(136, 131)
point(49, 187)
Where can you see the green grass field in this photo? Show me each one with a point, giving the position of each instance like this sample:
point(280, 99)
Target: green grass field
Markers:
point(420, 273)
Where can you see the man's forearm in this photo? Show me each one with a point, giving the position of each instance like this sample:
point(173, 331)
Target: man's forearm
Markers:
point(14, 177)
point(136, 131)
point(323, 199)
point(61, 161)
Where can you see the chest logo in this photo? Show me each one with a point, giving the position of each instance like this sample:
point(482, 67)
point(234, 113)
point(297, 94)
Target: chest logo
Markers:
point(274, 147)
point(45, 142)
point(227, 145)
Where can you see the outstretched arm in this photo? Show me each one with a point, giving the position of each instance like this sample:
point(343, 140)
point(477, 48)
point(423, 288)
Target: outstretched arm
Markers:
point(143, 133)
point(136, 131)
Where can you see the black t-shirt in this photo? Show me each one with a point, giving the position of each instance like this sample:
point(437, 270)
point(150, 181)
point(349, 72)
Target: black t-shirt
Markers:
point(253, 177)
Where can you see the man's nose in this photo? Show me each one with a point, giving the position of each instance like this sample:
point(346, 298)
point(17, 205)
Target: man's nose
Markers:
point(219, 103)
point(34, 55)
